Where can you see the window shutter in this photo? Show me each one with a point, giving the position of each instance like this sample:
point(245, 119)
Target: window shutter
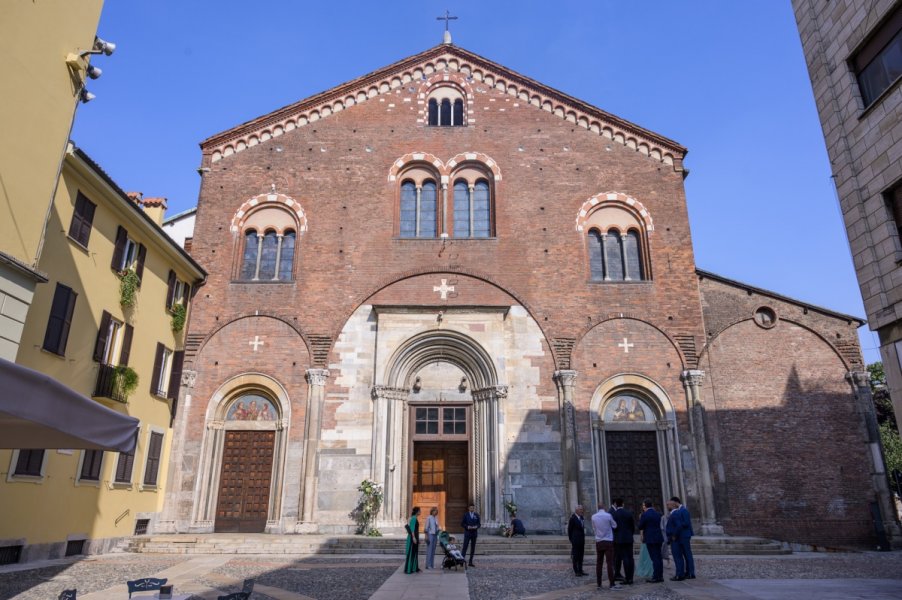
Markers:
point(102, 335)
point(124, 467)
point(175, 376)
point(157, 362)
point(139, 269)
point(82, 219)
point(153, 458)
point(90, 465)
point(121, 239)
point(29, 462)
point(126, 345)
point(170, 289)
point(60, 320)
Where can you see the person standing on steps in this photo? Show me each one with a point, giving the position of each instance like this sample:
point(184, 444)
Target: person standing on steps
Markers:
point(679, 534)
point(471, 525)
point(623, 541)
point(412, 550)
point(653, 538)
point(576, 532)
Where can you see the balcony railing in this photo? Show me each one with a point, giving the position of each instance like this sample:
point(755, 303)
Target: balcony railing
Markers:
point(109, 385)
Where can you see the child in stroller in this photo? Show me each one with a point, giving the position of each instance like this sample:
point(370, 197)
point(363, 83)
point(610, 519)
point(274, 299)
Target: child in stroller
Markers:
point(453, 557)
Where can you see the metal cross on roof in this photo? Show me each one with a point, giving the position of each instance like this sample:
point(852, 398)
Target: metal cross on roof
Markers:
point(446, 18)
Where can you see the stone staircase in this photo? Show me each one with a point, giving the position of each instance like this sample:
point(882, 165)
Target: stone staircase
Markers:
point(539, 545)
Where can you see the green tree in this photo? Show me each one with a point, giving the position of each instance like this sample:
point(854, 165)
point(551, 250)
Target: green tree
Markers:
point(886, 418)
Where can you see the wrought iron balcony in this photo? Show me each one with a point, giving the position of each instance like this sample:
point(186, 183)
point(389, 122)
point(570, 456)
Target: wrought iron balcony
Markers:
point(109, 384)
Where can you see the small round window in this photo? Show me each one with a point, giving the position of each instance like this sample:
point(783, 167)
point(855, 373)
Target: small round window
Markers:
point(765, 317)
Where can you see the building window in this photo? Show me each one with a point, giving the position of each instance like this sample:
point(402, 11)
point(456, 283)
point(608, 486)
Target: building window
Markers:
point(152, 466)
point(82, 220)
point(30, 463)
point(114, 341)
point(445, 107)
point(893, 200)
point(419, 209)
point(615, 256)
point(91, 462)
point(177, 291)
point(124, 467)
point(270, 243)
point(128, 254)
point(60, 321)
point(441, 422)
point(878, 63)
point(162, 365)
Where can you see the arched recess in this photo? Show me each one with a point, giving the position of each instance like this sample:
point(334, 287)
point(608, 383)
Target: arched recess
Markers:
point(633, 416)
point(220, 420)
point(391, 417)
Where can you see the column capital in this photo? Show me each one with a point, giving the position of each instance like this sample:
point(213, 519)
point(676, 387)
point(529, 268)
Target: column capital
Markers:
point(692, 377)
point(189, 378)
point(317, 376)
point(489, 393)
point(389, 393)
point(859, 378)
point(565, 377)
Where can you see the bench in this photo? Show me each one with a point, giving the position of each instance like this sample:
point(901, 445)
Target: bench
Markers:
point(145, 584)
point(67, 595)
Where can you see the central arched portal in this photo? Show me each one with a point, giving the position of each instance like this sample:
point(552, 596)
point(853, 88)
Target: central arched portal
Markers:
point(436, 425)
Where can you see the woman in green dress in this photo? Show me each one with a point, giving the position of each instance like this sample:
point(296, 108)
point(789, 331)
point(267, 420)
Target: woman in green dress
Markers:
point(412, 560)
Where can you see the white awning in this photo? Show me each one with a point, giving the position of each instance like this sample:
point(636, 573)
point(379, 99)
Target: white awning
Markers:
point(37, 411)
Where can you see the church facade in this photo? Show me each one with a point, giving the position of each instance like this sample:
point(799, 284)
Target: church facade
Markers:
point(466, 286)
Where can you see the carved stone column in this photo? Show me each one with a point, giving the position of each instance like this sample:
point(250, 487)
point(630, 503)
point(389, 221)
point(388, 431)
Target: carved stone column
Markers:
point(176, 512)
point(389, 461)
point(487, 441)
point(564, 381)
point(316, 393)
point(891, 532)
point(692, 381)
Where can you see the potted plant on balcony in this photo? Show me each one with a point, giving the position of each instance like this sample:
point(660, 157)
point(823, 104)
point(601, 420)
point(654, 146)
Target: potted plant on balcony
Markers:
point(128, 288)
point(179, 314)
point(125, 380)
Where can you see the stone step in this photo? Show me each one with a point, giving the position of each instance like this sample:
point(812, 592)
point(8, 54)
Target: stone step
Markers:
point(488, 545)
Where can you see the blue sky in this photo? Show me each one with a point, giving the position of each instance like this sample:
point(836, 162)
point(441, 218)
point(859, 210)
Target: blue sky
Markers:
point(725, 79)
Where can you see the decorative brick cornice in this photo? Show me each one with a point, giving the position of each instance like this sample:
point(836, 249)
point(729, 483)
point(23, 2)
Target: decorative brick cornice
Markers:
point(451, 64)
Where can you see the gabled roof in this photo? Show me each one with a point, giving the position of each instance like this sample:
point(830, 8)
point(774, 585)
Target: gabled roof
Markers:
point(415, 69)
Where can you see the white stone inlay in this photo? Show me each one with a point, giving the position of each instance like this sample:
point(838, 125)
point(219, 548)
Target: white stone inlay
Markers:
point(256, 342)
point(443, 289)
point(626, 346)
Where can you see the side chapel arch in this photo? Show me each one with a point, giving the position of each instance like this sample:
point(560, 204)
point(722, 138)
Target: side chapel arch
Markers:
point(631, 402)
point(391, 435)
point(224, 415)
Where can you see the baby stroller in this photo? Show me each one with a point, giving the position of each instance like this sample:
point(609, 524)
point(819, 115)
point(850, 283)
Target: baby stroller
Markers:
point(453, 557)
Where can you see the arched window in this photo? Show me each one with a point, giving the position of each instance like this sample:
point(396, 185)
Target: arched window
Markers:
point(632, 256)
point(418, 209)
point(461, 209)
point(445, 107)
point(268, 256)
point(596, 255)
point(482, 218)
point(249, 258)
point(472, 205)
point(286, 256)
point(616, 245)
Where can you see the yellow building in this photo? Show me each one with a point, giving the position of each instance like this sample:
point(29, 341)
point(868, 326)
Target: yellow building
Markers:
point(40, 92)
point(117, 286)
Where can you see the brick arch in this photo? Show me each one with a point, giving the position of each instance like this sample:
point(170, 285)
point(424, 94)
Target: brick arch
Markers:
point(711, 338)
point(262, 200)
point(580, 336)
point(480, 157)
point(414, 157)
point(234, 319)
point(607, 198)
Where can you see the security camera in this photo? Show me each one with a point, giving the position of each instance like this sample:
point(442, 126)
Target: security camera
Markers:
point(94, 72)
point(104, 46)
point(85, 96)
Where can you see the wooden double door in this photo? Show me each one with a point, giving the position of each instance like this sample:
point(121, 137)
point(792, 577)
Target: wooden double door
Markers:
point(634, 471)
point(440, 478)
point(244, 483)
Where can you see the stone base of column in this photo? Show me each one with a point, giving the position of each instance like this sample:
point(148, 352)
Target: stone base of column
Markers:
point(712, 529)
point(306, 528)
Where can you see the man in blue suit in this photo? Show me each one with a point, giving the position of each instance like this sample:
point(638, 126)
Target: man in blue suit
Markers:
point(623, 541)
point(679, 534)
point(471, 525)
point(653, 538)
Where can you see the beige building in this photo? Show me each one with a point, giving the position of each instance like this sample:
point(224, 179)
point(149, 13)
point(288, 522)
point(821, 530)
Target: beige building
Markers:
point(113, 308)
point(854, 53)
point(40, 91)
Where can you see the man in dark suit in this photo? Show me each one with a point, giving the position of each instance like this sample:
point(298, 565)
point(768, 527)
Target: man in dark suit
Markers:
point(679, 534)
point(623, 541)
point(471, 525)
point(653, 538)
point(576, 532)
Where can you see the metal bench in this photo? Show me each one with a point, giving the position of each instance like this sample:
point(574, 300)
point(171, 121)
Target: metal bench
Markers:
point(246, 590)
point(67, 595)
point(146, 584)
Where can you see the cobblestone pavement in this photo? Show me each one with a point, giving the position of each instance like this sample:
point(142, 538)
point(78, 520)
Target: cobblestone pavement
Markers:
point(495, 578)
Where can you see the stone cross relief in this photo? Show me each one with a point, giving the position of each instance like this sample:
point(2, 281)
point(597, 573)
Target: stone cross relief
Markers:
point(443, 289)
point(625, 345)
point(256, 342)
